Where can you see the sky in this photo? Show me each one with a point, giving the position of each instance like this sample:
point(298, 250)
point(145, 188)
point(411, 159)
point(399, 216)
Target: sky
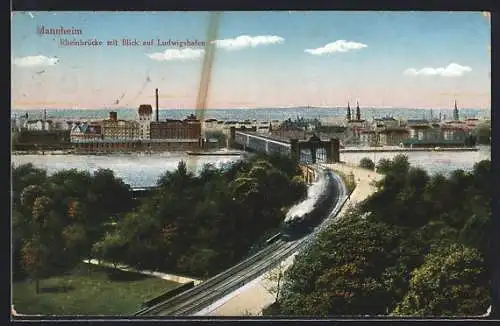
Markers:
point(262, 59)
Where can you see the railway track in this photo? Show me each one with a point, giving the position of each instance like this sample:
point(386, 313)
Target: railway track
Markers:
point(208, 292)
point(212, 282)
point(204, 299)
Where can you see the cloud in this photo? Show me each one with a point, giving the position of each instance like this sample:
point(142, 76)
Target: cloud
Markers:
point(245, 41)
point(337, 46)
point(176, 54)
point(452, 70)
point(35, 60)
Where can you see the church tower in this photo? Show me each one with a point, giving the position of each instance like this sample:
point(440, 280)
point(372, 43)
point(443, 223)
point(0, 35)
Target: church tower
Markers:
point(455, 112)
point(348, 116)
point(358, 113)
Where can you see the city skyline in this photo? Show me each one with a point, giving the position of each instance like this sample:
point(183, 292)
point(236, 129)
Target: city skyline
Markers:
point(263, 59)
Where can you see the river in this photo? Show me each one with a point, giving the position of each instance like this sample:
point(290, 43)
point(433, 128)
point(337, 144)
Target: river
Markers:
point(143, 170)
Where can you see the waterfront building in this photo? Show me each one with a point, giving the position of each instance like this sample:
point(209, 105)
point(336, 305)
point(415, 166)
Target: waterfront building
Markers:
point(189, 128)
point(264, 127)
point(393, 136)
point(211, 125)
point(416, 122)
point(274, 124)
point(369, 138)
point(356, 126)
point(37, 125)
point(13, 125)
point(451, 132)
point(85, 132)
point(113, 128)
point(471, 122)
point(144, 117)
point(418, 132)
point(58, 125)
point(386, 122)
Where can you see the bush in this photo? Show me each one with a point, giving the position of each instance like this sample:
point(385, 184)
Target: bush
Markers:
point(367, 163)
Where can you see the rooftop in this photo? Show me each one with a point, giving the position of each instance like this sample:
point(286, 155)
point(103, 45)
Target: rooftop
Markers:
point(145, 109)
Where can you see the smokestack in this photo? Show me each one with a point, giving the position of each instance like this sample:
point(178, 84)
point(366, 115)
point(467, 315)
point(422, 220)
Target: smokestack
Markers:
point(157, 108)
point(44, 119)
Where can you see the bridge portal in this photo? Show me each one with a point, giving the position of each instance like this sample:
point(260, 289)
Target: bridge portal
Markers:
point(330, 149)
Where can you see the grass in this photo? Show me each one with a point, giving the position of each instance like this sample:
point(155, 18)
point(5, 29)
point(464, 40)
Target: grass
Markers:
point(105, 292)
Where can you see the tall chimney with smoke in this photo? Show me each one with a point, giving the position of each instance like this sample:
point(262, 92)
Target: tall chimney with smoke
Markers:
point(157, 107)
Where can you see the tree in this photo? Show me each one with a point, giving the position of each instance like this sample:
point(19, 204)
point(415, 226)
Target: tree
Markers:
point(28, 197)
point(202, 224)
point(274, 279)
point(451, 282)
point(111, 248)
point(483, 134)
point(337, 275)
point(367, 163)
point(23, 176)
point(19, 233)
point(35, 257)
point(36, 251)
point(383, 165)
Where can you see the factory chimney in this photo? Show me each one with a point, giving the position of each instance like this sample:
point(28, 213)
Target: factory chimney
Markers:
point(157, 108)
point(44, 119)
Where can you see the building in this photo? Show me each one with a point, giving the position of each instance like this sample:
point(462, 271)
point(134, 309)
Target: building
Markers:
point(189, 128)
point(472, 122)
point(37, 125)
point(416, 122)
point(85, 132)
point(369, 138)
point(144, 117)
point(453, 133)
point(113, 128)
point(418, 132)
point(393, 136)
point(211, 125)
point(355, 126)
point(386, 122)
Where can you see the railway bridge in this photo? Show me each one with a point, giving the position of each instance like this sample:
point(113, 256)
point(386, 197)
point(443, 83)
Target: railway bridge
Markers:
point(313, 150)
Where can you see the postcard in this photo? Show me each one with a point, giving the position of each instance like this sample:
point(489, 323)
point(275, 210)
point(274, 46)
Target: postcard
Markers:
point(281, 163)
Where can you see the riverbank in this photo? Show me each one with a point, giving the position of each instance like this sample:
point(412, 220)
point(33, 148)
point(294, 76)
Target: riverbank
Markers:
point(215, 153)
point(44, 152)
point(399, 149)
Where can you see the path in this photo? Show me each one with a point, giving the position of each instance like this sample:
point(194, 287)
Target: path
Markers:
point(168, 277)
point(364, 182)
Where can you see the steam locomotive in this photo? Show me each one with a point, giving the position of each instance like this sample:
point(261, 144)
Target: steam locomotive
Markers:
point(297, 226)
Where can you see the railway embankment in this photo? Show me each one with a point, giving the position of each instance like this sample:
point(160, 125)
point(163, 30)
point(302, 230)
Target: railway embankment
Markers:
point(364, 179)
point(257, 295)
